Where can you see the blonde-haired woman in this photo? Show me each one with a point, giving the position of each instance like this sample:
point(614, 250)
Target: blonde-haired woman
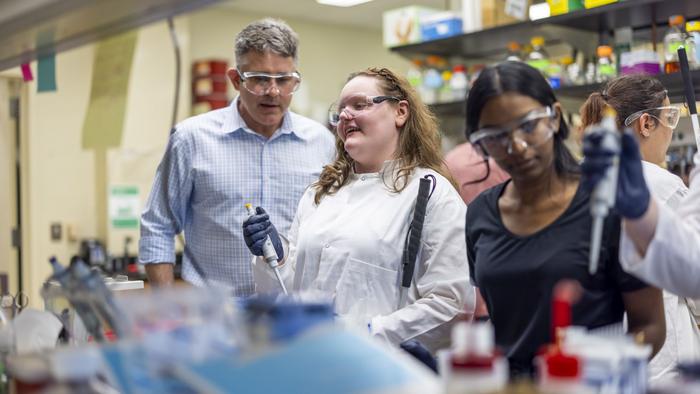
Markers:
point(348, 237)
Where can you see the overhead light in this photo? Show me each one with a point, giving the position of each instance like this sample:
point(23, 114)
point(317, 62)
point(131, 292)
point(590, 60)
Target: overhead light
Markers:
point(342, 3)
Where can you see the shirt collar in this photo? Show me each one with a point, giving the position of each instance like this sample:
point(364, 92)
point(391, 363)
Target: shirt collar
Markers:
point(387, 172)
point(234, 122)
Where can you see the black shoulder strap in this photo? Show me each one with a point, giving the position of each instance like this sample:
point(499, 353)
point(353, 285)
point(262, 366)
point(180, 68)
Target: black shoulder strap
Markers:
point(412, 243)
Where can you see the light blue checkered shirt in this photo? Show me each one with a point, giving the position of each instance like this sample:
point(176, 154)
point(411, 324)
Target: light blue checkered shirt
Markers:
point(213, 165)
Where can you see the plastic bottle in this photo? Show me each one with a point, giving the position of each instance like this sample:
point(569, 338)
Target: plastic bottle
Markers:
point(572, 72)
point(692, 45)
point(459, 84)
point(605, 69)
point(589, 75)
point(514, 52)
point(432, 80)
point(554, 74)
point(474, 366)
point(445, 90)
point(674, 39)
point(414, 75)
point(538, 58)
point(623, 43)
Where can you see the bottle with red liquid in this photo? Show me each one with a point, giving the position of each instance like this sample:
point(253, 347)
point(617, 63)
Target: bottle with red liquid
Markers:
point(675, 38)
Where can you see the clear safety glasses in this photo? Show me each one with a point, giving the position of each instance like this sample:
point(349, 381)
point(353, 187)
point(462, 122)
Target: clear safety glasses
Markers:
point(667, 116)
point(355, 105)
point(260, 84)
point(499, 141)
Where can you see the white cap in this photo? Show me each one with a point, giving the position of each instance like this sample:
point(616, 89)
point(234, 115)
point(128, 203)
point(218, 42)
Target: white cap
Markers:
point(474, 338)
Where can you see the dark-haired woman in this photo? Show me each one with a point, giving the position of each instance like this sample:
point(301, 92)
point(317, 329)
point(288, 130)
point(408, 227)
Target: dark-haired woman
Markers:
point(529, 233)
point(642, 104)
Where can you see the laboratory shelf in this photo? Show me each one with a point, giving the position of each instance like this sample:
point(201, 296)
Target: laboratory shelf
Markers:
point(672, 82)
point(576, 27)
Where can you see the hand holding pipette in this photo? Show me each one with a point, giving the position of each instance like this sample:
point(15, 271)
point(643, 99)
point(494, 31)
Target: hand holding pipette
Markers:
point(604, 193)
point(629, 192)
point(262, 239)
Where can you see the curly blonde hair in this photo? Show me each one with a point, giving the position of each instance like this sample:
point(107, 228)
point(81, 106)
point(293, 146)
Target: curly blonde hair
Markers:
point(419, 142)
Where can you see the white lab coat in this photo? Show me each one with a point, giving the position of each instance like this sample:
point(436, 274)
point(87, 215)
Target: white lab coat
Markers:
point(682, 336)
point(349, 248)
point(672, 260)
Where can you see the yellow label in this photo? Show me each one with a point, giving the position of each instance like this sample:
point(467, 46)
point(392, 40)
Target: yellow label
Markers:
point(597, 3)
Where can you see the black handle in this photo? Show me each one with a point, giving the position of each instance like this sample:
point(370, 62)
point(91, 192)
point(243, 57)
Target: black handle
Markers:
point(687, 81)
point(415, 230)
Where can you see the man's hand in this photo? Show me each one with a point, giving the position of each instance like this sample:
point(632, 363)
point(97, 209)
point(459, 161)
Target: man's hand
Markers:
point(633, 195)
point(160, 274)
point(256, 228)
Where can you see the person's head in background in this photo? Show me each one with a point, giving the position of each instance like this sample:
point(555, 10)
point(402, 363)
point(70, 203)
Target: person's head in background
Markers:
point(641, 103)
point(265, 74)
point(379, 117)
point(514, 117)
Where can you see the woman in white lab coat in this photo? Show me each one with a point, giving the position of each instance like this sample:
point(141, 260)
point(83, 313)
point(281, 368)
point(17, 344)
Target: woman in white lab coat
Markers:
point(642, 104)
point(347, 239)
point(663, 246)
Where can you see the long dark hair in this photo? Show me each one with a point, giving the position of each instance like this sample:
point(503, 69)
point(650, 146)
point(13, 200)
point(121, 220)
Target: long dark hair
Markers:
point(518, 77)
point(626, 95)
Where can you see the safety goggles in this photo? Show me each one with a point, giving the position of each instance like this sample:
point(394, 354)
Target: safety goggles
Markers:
point(260, 84)
point(498, 141)
point(354, 106)
point(667, 116)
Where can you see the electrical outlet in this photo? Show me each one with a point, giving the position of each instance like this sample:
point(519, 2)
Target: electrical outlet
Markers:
point(56, 231)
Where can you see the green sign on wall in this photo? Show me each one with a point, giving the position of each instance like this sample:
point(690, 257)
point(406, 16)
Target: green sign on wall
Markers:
point(124, 207)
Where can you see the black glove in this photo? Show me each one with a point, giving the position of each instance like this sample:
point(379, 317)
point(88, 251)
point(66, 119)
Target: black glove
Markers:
point(633, 195)
point(420, 353)
point(256, 228)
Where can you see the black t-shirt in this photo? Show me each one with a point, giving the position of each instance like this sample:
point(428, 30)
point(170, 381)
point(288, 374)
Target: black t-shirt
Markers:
point(516, 274)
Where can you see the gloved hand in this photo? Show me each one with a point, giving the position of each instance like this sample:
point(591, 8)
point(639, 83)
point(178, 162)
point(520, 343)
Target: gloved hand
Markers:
point(256, 228)
point(419, 352)
point(633, 195)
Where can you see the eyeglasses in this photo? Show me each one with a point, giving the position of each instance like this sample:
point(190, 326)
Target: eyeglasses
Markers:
point(668, 116)
point(354, 106)
point(498, 141)
point(260, 84)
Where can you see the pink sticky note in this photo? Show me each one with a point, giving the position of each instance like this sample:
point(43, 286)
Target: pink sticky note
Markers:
point(27, 73)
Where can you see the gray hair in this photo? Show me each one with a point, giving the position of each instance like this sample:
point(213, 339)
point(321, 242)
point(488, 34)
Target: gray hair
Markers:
point(264, 35)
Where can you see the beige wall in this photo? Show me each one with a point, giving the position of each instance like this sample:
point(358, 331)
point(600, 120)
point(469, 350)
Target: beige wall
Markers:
point(63, 182)
point(8, 213)
point(327, 53)
point(61, 178)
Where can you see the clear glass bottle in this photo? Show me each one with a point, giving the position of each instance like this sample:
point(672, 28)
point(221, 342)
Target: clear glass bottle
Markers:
point(674, 39)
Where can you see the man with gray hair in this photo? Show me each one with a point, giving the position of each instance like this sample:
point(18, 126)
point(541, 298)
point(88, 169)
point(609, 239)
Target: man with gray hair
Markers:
point(254, 151)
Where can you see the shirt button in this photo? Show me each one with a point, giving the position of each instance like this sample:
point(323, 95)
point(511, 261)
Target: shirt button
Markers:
point(362, 178)
point(327, 246)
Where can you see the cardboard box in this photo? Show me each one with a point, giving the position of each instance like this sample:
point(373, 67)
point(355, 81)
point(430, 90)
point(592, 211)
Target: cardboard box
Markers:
point(402, 25)
point(493, 13)
point(440, 25)
point(558, 7)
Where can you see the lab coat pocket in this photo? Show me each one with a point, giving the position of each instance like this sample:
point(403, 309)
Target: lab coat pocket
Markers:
point(366, 290)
